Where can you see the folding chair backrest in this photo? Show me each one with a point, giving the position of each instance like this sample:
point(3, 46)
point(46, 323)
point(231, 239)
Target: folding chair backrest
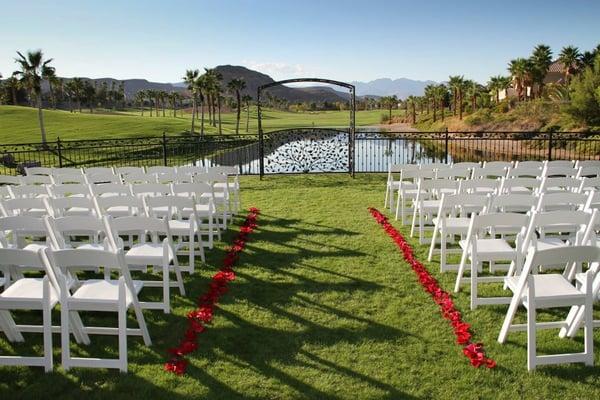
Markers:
point(479, 184)
point(29, 191)
point(67, 171)
point(99, 170)
point(110, 189)
point(191, 169)
point(161, 170)
point(415, 174)
point(63, 179)
point(512, 203)
point(490, 171)
point(27, 206)
point(63, 206)
point(167, 177)
point(9, 180)
point(31, 180)
point(593, 200)
point(139, 177)
point(102, 178)
point(587, 164)
point(530, 164)
point(466, 164)
point(434, 166)
point(489, 222)
point(455, 204)
point(434, 186)
point(510, 185)
point(62, 228)
point(22, 227)
point(453, 173)
point(132, 204)
point(191, 189)
point(591, 171)
point(523, 172)
point(138, 225)
point(38, 171)
point(75, 189)
point(567, 184)
point(174, 204)
point(559, 163)
point(23, 260)
point(225, 170)
point(151, 189)
point(556, 171)
point(129, 170)
point(561, 200)
point(555, 222)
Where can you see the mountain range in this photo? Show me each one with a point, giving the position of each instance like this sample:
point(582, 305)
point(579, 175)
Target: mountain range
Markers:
point(402, 87)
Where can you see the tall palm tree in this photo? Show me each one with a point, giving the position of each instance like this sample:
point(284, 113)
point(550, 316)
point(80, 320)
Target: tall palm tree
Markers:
point(91, 96)
point(140, 96)
point(33, 68)
point(13, 83)
point(454, 82)
point(441, 93)
point(236, 86)
point(246, 99)
point(173, 100)
point(569, 57)
point(541, 59)
point(520, 70)
point(191, 75)
point(412, 101)
point(388, 102)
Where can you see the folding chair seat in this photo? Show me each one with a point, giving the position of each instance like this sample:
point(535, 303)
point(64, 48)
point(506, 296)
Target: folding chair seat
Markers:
point(542, 291)
point(560, 184)
point(180, 227)
point(482, 245)
point(453, 219)
point(427, 203)
point(527, 186)
point(392, 184)
point(119, 206)
point(407, 192)
point(97, 295)
point(27, 294)
point(160, 255)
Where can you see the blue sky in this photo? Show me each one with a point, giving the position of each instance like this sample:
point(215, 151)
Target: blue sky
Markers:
point(344, 40)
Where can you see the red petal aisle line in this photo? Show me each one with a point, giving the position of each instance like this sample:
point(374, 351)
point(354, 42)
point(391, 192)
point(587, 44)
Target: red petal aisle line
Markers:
point(219, 285)
point(462, 330)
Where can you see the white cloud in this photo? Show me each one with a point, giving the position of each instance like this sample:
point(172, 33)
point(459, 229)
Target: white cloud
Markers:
point(277, 70)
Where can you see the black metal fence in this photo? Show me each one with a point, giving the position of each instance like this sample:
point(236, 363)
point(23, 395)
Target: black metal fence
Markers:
point(303, 150)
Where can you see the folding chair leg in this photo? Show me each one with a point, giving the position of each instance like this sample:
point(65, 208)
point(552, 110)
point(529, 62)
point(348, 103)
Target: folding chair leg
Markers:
point(432, 245)
point(531, 337)
point(122, 327)
point(47, 330)
point(387, 195)
point(139, 315)
point(65, 335)
point(166, 290)
point(510, 315)
point(8, 325)
point(474, 267)
point(443, 252)
point(414, 222)
point(178, 276)
point(461, 270)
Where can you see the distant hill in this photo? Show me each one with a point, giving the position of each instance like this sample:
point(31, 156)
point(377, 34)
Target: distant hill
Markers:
point(132, 86)
point(402, 87)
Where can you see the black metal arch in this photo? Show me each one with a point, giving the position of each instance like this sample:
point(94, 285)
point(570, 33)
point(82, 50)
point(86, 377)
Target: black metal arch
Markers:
point(352, 124)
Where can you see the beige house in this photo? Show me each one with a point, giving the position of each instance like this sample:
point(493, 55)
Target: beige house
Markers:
point(555, 74)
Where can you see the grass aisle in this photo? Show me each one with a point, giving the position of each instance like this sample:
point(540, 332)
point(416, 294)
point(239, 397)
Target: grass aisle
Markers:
point(323, 307)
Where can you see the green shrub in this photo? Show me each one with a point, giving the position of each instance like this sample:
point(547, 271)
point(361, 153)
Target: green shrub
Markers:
point(585, 95)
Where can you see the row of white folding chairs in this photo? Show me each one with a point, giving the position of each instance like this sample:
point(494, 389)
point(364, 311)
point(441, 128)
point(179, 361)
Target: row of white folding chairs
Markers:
point(190, 169)
point(58, 267)
point(496, 169)
point(215, 203)
point(408, 189)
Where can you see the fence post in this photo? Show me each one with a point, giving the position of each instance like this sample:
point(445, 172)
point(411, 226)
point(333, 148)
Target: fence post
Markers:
point(164, 146)
point(59, 149)
point(446, 146)
point(550, 146)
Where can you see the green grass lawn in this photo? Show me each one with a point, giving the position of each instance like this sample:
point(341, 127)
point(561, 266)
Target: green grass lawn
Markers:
point(20, 124)
point(323, 307)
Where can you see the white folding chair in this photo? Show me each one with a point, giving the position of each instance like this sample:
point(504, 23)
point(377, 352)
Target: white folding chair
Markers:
point(392, 184)
point(520, 185)
point(69, 179)
point(233, 184)
point(407, 192)
point(512, 203)
point(587, 164)
point(32, 207)
point(453, 219)
point(561, 201)
point(542, 291)
point(206, 212)
point(538, 165)
point(559, 171)
point(100, 178)
point(72, 190)
point(70, 206)
point(10, 180)
point(524, 172)
point(24, 232)
point(32, 180)
point(66, 171)
point(560, 184)
point(181, 226)
point(99, 170)
point(97, 295)
point(160, 170)
point(129, 170)
point(28, 294)
point(38, 171)
point(559, 164)
point(77, 232)
point(482, 245)
point(479, 185)
point(591, 172)
point(139, 177)
point(158, 254)
point(151, 189)
point(466, 164)
point(427, 203)
point(29, 191)
point(119, 206)
point(491, 170)
point(110, 189)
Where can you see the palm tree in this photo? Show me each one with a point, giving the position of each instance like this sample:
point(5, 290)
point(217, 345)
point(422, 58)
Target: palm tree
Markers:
point(13, 84)
point(541, 59)
point(520, 70)
point(139, 98)
point(570, 58)
point(90, 94)
point(389, 102)
point(246, 99)
point(173, 100)
point(191, 75)
point(33, 68)
point(441, 92)
point(412, 100)
point(201, 88)
point(236, 86)
point(455, 82)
